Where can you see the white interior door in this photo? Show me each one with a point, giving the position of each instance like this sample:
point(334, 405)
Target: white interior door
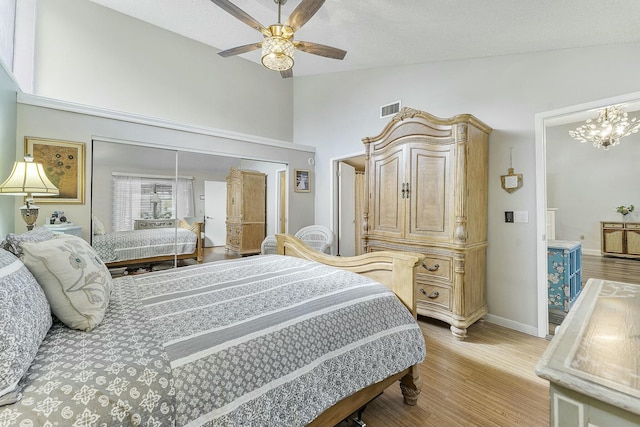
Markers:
point(346, 210)
point(215, 213)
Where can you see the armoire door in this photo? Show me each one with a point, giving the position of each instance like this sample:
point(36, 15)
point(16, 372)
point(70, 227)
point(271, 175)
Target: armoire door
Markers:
point(387, 208)
point(234, 202)
point(431, 170)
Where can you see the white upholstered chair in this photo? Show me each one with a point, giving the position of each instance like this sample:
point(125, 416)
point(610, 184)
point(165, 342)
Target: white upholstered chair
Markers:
point(318, 237)
point(269, 245)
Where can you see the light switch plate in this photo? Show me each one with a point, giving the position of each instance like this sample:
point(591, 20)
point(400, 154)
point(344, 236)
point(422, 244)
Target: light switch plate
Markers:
point(521, 216)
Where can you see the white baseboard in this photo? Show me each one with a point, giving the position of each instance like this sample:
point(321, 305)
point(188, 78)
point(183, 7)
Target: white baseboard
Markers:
point(595, 252)
point(516, 326)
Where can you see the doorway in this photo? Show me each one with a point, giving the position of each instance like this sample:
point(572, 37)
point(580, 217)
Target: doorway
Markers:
point(215, 211)
point(544, 121)
point(348, 199)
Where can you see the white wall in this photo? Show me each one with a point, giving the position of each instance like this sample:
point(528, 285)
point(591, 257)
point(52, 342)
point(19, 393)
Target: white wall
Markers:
point(333, 112)
point(92, 55)
point(8, 90)
point(586, 184)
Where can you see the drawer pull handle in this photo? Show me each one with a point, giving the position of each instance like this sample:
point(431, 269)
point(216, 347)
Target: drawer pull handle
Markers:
point(434, 294)
point(434, 268)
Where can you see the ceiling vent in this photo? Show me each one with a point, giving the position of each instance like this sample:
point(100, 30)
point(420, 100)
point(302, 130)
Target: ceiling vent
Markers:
point(389, 109)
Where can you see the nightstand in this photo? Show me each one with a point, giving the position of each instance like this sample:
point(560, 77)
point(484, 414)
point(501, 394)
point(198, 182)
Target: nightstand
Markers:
point(76, 230)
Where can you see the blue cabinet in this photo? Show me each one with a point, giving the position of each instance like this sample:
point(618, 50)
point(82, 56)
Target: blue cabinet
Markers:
point(564, 267)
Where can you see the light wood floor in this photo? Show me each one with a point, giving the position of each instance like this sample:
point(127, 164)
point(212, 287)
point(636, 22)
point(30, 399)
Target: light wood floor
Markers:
point(486, 380)
point(610, 268)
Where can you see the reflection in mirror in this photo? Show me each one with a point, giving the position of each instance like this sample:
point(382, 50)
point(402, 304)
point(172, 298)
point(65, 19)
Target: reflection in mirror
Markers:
point(209, 174)
point(141, 193)
point(135, 208)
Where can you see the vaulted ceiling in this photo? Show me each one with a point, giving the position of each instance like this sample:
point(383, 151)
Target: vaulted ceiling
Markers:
point(380, 33)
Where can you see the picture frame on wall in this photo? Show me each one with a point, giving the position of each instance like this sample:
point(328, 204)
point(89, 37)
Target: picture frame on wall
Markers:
point(302, 183)
point(63, 162)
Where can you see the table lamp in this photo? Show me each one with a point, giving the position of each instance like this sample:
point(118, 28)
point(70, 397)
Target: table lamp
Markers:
point(28, 179)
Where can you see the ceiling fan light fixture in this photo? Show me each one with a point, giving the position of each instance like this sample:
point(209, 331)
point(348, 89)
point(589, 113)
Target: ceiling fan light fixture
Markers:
point(277, 53)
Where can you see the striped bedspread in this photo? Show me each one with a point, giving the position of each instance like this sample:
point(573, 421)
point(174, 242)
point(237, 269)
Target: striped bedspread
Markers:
point(272, 340)
point(136, 244)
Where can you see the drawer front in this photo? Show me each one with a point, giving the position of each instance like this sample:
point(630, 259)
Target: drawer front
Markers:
point(612, 225)
point(634, 226)
point(433, 294)
point(436, 266)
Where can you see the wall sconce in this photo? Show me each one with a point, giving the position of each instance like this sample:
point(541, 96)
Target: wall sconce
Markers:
point(512, 181)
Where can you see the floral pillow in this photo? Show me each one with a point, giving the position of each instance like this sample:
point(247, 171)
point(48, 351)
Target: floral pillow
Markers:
point(75, 280)
point(13, 242)
point(25, 319)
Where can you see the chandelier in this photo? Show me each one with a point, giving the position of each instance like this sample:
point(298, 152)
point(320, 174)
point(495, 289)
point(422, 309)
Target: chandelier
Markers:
point(606, 131)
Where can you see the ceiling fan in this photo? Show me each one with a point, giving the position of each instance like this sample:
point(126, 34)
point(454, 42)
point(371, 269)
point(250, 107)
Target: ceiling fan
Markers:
point(278, 45)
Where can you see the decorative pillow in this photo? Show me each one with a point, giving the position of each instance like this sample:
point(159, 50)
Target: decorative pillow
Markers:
point(13, 242)
point(75, 280)
point(25, 318)
point(98, 226)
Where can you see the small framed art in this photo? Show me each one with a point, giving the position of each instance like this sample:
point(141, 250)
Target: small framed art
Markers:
point(303, 180)
point(63, 162)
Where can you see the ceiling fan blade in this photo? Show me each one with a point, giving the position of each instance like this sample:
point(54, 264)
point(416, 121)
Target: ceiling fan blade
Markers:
point(320, 49)
point(287, 73)
point(301, 14)
point(240, 14)
point(240, 49)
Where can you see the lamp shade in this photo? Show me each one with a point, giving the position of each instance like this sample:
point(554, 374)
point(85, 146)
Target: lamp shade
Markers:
point(28, 179)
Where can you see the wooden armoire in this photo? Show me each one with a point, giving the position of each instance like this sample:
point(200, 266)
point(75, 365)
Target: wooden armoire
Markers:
point(246, 211)
point(426, 181)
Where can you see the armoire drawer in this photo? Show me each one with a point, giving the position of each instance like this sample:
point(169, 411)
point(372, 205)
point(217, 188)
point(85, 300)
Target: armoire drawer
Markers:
point(437, 266)
point(434, 294)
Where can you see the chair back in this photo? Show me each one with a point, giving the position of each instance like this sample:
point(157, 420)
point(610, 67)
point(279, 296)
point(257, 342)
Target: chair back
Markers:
point(269, 245)
point(318, 237)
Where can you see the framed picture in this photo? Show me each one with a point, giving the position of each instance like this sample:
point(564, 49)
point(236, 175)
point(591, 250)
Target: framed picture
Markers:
point(303, 181)
point(63, 162)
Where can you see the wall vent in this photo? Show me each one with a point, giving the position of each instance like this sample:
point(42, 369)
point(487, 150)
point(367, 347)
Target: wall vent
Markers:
point(389, 109)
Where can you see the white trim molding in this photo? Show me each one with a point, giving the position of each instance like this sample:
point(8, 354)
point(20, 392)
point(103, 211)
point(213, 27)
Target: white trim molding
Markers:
point(39, 101)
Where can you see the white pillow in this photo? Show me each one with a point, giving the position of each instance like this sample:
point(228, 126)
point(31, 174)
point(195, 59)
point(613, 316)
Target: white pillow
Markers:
point(76, 282)
point(25, 318)
point(98, 226)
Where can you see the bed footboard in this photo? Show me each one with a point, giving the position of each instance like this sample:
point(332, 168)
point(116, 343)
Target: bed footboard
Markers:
point(396, 270)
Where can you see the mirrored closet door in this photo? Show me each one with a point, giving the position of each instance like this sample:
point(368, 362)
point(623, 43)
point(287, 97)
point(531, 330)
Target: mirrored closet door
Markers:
point(136, 208)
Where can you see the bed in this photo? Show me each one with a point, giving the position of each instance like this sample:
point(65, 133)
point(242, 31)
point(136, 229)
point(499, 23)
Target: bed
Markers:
point(264, 340)
point(122, 248)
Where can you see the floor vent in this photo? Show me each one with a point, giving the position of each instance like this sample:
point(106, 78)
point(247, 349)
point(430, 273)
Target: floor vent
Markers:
point(389, 110)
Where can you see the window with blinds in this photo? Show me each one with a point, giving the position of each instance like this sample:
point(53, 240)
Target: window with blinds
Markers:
point(139, 197)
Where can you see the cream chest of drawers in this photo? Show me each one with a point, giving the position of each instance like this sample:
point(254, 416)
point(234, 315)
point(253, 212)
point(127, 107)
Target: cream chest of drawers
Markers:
point(620, 239)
